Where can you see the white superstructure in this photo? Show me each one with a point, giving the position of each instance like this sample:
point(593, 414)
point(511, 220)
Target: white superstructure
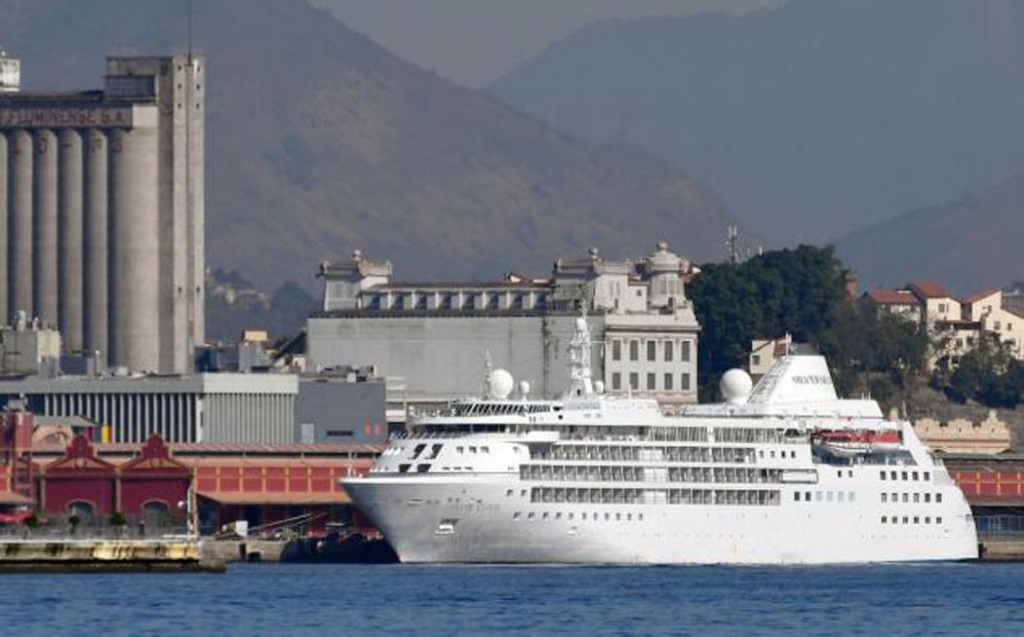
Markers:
point(784, 473)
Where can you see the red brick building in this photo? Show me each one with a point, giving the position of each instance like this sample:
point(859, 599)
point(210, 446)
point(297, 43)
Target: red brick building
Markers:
point(258, 483)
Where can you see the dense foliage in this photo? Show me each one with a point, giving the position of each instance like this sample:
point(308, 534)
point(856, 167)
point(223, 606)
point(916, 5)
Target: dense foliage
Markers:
point(802, 292)
point(987, 374)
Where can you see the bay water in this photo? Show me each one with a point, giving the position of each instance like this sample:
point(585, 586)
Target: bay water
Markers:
point(339, 599)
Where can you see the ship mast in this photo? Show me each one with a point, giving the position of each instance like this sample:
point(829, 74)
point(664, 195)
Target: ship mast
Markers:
point(580, 383)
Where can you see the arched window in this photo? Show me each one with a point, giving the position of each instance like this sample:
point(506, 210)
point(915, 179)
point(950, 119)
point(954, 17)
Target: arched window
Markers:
point(156, 513)
point(84, 510)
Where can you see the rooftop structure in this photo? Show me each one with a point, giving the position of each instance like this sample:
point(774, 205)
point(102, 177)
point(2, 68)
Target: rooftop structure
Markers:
point(10, 73)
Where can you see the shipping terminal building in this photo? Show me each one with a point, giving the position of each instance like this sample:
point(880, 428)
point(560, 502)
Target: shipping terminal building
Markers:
point(101, 211)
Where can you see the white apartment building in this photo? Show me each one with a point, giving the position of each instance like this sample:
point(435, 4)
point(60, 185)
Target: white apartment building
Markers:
point(955, 325)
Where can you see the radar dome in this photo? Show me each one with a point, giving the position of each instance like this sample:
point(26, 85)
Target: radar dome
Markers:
point(501, 384)
point(736, 385)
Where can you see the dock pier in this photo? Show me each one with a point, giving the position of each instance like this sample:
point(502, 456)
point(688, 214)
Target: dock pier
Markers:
point(105, 555)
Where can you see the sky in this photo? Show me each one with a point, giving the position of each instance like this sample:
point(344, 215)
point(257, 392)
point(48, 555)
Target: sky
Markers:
point(475, 41)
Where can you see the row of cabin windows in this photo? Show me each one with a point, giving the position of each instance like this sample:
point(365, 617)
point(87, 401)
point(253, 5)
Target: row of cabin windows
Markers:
point(571, 516)
point(907, 497)
point(757, 497)
point(824, 496)
point(668, 350)
point(667, 383)
point(906, 475)
point(728, 475)
point(737, 455)
point(907, 519)
point(483, 449)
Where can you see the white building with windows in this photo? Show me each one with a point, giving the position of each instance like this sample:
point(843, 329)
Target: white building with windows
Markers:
point(954, 325)
point(437, 337)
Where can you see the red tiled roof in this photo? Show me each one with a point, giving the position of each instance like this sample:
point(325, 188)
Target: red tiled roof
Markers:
point(974, 298)
point(892, 297)
point(201, 448)
point(928, 289)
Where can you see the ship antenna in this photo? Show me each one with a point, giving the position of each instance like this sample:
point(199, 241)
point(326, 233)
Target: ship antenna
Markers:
point(487, 373)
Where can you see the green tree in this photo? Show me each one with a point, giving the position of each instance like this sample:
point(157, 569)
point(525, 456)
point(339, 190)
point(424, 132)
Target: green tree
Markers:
point(792, 290)
point(987, 374)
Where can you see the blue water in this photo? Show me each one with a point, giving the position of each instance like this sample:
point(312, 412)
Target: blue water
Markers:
point(945, 599)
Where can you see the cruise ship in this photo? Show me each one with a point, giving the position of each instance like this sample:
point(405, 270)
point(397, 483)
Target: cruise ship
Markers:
point(783, 472)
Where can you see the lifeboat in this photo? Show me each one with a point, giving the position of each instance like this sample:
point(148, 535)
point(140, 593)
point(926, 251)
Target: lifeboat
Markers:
point(853, 442)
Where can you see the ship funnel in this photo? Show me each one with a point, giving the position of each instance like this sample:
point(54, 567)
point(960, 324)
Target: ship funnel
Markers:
point(795, 379)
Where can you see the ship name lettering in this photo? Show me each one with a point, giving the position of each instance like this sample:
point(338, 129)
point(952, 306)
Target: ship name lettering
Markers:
point(812, 380)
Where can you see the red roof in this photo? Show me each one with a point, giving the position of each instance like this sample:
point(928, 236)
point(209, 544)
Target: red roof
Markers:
point(928, 290)
point(892, 297)
point(984, 294)
point(218, 448)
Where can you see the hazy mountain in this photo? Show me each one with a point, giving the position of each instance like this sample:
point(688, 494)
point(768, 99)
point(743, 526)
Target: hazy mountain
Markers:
point(319, 141)
point(812, 119)
point(969, 245)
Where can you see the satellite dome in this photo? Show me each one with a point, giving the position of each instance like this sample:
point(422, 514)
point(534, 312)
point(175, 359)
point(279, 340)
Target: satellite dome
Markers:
point(501, 384)
point(736, 386)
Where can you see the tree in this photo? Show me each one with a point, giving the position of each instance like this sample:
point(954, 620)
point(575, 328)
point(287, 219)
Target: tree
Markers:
point(987, 374)
point(781, 291)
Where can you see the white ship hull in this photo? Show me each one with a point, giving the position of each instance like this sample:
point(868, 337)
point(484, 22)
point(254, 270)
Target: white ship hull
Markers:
point(487, 528)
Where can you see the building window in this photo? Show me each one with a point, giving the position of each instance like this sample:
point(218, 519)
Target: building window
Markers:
point(684, 382)
point(651, 353)
point(634, 350)
point(942, 307)
point(616, 381)
point(685, 355)
point(668, 382)
point(634, 380)
point(650, 382)
point(669, 350)
point(616, 350)
point(755, 360)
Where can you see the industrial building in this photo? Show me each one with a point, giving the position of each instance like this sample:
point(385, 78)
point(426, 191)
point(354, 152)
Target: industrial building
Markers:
point(101, 211)
point(224, 407)
point(437, 338)
point(340, 408)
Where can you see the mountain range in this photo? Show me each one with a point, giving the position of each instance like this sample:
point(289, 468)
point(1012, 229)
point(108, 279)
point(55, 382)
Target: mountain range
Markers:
point(319, 141)
point(813, 120)
point(968, 245)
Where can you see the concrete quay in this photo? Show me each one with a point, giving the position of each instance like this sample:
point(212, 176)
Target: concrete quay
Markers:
point(105, 555)
point(1001, 550)
point(248, 550)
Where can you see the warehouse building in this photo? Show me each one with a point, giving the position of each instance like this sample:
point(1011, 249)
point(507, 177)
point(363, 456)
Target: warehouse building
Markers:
point(438, 337)
point(101, 211)
point(222, 408)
